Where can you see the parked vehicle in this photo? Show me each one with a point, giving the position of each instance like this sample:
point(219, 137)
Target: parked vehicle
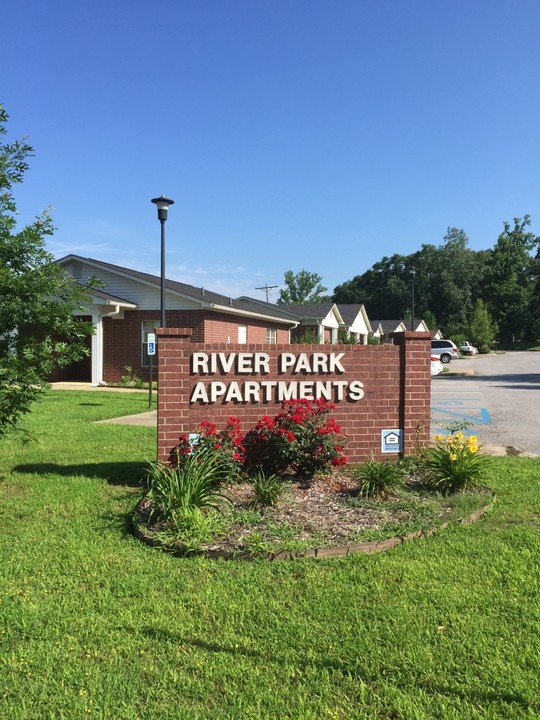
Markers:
point(467, 349)
point(436, 366)
point(445, 350)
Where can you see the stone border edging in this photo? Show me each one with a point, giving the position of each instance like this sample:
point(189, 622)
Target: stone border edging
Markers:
point(368, 548)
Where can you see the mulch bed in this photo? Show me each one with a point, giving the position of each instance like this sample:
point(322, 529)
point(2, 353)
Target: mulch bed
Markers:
point(319, 515)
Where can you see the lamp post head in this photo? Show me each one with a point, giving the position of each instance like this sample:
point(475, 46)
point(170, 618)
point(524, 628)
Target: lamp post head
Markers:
point(162, 206)
point(412, 270)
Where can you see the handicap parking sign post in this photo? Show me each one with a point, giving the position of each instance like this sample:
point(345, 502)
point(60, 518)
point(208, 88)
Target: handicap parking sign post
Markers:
point(151, 349)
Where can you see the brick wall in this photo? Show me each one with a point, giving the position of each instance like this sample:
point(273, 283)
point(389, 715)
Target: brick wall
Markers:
point(122, 338)
point(396, 385)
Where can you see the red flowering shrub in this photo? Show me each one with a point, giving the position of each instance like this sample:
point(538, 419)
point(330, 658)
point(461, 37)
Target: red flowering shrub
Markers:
point(301, 437)
point(226, 444)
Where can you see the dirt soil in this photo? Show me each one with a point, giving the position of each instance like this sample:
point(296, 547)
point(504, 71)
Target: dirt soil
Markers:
point(318, 509)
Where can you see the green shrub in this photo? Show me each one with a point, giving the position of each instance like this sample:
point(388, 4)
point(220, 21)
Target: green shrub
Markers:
point(301, 437)
point(188, 530)
point(267, 489)
point(454, 462)
point(377, 479)
point(175, 491)
point(131, 379)
point(226, 446)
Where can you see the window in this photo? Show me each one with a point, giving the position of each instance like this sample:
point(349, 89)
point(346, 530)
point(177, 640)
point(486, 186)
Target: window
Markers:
point(271, 336)
point(242, 334)
point(147, 326)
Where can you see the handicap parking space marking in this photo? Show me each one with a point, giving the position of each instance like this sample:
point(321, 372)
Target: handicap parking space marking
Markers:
point(470, 414)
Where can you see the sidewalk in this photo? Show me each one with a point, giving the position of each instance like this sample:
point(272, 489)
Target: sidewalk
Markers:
point(98, 388)
point(145, 419)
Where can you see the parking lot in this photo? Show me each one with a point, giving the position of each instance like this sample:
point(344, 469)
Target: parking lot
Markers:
point(496, 394)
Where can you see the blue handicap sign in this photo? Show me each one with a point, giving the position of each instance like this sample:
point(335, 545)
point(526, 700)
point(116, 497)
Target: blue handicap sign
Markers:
point(151, 348)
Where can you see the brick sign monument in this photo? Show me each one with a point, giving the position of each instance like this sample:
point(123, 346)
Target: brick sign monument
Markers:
point(381, 393)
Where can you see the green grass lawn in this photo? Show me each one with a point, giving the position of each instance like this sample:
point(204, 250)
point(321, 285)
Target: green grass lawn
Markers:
point(94, 624)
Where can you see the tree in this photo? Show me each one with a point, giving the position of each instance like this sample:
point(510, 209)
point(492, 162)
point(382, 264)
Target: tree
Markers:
point(448, 280)
point(446, 277)
point(302, 288)
point(482, 330)
point(38, 330)
point(385, 289)
point(511, 283)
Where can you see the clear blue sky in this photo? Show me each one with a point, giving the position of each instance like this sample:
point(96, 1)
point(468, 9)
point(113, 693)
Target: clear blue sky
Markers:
point(315, 134)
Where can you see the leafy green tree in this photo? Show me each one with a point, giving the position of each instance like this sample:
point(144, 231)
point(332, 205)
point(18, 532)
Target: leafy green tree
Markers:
point(38, 330)
point(385, 289)
point(446, 277)
point(301, 288)
point(534, 308)
point(482, 329)
point(511, 281)
point(448, 280)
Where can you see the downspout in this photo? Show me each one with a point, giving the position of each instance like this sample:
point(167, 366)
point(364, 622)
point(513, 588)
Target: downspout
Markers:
point(97, 346)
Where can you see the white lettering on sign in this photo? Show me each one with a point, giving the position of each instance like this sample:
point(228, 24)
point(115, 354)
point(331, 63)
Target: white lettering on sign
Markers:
point(317, 363)
point(267, 391)
point(212, 363)
point(271, 391)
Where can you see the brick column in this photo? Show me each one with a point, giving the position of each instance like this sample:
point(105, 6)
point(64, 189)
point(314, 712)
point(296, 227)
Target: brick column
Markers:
point(173, 386)
point(415, 391)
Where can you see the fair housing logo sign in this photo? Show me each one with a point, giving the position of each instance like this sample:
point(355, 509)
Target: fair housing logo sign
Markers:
point(260, 363)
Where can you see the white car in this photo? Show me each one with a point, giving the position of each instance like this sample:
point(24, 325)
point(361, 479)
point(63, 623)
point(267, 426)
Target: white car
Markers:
point(467, 349)
point(436, 366)
point(446, 350)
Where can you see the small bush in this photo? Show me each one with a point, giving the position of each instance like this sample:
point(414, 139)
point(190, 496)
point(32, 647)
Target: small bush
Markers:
point(226, 446)
point(301, 437)
point(131, 379)
point(454, 463)
point(377, 480)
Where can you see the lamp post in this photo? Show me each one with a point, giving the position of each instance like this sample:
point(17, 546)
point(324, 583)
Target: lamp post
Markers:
point(413, 274)
point(162, 207)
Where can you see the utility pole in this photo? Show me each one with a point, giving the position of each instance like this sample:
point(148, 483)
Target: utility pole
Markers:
point(267, 288)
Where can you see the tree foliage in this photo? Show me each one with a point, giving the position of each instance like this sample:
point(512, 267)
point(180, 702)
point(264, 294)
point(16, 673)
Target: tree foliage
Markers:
point(457, 289)
point(510, 290)
point(301, 288)
point(38, 330)
point(482, 329)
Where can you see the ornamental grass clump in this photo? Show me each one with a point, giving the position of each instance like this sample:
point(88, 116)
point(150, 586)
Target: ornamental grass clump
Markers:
point(454, 462)
point(267, 489)
point(185, 498)
point(175, 491)
point(377, 480)
point(302, 438)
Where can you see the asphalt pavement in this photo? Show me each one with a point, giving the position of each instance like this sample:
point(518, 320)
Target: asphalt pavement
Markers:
point(496, 396)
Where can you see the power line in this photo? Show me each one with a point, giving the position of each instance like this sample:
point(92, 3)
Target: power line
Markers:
point(267, 288)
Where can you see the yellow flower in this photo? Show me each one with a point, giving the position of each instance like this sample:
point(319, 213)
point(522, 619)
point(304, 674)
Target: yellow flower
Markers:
point(437, 438)
point(459, 435)
point(453, 456)
point(473, 449)
point(472, 439)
